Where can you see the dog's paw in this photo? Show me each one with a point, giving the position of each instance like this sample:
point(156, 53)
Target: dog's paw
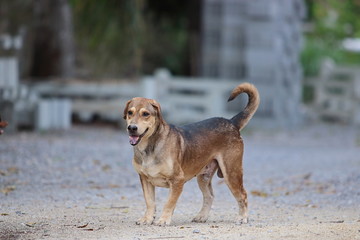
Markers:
point(200, 219)
point(145, 221)
point(241, 220)
point(163, 222)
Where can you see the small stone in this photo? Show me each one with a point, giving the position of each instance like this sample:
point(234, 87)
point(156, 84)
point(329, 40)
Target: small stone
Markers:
point(196, 231)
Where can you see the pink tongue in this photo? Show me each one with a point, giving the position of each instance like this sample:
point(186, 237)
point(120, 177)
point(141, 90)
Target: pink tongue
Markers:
point(133, 139)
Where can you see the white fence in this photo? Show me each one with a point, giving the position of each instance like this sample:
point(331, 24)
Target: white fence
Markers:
point(337, 94)
point(89, 99)
point(53, 114)
point(182, 99)
point(9, 78)
point(21, 107)
point(186, 100)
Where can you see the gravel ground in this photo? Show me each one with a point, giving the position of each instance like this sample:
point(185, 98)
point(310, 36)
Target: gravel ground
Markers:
point(80, 184)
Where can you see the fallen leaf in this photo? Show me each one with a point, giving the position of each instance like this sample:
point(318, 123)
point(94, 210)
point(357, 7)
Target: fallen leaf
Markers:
point(88, 229)
point(96, 162)
point(30, 224)
point(119, 207)
point(307, 176)
point(182, 227)
point(83, 226)
point(214, 226)
point(96, 207)
point(106, 168)
point(310, 205)
point(339, 221)
point(259, 194)
point(4, 214)
point(13, 170)
point(166, 237)
point(8, 189)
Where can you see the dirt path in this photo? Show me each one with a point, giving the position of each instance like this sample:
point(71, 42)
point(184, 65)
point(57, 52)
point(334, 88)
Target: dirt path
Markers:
point(80, 184)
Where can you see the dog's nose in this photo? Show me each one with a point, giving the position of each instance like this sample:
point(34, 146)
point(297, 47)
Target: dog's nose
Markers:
point(132, 128)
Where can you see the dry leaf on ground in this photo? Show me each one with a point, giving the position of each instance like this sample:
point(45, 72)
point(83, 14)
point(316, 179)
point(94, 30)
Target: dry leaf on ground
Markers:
point(259, 193)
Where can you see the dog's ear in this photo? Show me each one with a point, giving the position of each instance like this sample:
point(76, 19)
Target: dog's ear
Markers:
point(157, 108)
point(126, 108)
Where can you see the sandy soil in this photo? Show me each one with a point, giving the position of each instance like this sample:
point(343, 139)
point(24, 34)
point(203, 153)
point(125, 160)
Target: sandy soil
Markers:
point(79, 184)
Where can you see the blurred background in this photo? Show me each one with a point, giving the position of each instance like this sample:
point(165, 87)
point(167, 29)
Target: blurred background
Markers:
point(78, 61)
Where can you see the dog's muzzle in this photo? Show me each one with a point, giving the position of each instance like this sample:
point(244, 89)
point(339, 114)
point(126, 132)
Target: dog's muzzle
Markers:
point(134, 137)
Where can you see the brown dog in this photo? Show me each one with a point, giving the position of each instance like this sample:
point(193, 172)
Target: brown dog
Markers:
point(3, 124)
point(168, 156)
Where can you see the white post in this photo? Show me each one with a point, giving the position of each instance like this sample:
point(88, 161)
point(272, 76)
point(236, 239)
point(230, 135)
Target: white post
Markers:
point(157, 86)
point(43, 115)
point(149, 87)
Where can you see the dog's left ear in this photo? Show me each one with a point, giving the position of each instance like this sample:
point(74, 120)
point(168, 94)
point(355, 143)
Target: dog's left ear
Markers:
point(157, 108)
point(126, 109)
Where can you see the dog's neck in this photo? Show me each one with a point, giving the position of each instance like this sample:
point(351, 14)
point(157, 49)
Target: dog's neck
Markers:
point(146, 148)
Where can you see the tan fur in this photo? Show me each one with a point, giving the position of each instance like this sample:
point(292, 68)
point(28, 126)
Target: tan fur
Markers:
point(241, 119)
point(168, 156)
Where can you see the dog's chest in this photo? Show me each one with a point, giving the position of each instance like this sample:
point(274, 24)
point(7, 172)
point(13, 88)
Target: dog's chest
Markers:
point(156, 172)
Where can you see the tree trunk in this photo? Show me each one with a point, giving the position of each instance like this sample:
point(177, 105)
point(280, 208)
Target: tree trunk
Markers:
point(53, 44)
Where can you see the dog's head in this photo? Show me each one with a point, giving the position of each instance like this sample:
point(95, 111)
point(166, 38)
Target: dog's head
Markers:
point(142, 116)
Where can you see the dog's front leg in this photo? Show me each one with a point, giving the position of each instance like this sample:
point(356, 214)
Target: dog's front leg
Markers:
point(176, 187)
point(149, 195)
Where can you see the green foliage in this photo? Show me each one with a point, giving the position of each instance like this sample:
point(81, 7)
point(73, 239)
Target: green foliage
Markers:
point(129, 37)
point(333, 20)
point(103, 35)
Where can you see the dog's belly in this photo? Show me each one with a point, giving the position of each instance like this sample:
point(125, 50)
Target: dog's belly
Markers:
point(159, 182)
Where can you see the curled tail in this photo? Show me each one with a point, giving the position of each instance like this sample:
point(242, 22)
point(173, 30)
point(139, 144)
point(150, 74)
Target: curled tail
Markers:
point(241, 119)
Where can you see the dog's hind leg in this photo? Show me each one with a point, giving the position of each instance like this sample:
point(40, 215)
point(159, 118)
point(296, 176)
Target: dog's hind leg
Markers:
point(204, 181)
point(231, 167)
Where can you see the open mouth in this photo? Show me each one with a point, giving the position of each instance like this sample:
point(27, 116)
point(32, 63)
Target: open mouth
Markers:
point(135, 139)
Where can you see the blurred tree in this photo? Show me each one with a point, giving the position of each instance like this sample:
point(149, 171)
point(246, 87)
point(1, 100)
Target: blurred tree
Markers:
point(176, 25)
point(332, 21)
point(105, 36)
point(48, 38)
point(112, 38)
point(53, 46)
point(132, 37)
point(13, 14)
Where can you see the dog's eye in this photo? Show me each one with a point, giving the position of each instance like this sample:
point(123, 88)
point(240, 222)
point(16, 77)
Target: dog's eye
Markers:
point(130, 113)
point(145, 114)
